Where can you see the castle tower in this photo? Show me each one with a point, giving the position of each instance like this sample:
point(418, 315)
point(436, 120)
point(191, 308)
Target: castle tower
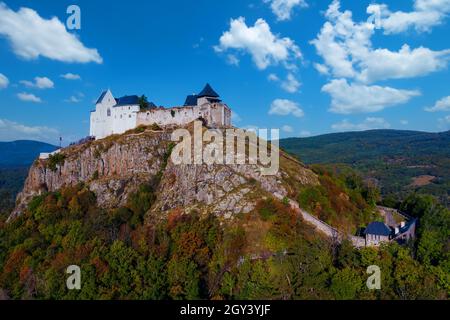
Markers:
point(207, 95)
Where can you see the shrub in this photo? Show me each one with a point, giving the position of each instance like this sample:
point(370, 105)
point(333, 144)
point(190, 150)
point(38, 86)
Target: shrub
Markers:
point(55, 160)
point(155, 127)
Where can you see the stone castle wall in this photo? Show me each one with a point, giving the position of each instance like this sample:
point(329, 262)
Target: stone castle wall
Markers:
point(215, 115)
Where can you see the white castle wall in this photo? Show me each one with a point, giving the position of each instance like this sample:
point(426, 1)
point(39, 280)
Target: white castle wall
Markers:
point(108, 119)
point(124, 118)
point(214, 114)
point(173, 116)
point(101, 122)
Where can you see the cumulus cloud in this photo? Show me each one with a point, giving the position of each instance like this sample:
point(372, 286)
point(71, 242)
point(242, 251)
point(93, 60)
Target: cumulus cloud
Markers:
point(4, 81)
point(287, 129)
point(32, 36)
point(355, 98)
point(39, 83)
point(284, 107)
point(282, 9)
point(232, 60)
point(10, 131)
point(368, 124)
point(440, 105)
point(264, 47)
point(73, 99)
point(71, 76)
point(321, 68)
point(404, 122)
point(290, 84)
point(426, 15)
point(273, 77)
point(347, 51)
point(381, 64)
point(28, 97)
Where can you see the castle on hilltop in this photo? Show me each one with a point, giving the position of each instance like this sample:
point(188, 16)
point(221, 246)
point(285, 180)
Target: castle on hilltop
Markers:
point(117, 115)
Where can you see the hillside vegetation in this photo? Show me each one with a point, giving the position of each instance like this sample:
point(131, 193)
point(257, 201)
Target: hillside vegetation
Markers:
point(399, 161)
point(141, 227)
point(125, 254)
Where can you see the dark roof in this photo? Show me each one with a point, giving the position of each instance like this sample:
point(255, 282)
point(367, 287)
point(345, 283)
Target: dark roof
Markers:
point(127, 100)
point(378, 228)
point(101, 97)
point(191, 100)
point(208, 92)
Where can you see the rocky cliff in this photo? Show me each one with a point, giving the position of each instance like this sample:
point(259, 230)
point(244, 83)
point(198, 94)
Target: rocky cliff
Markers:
point(115, 167)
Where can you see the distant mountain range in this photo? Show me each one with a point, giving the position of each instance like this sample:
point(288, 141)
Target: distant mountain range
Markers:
point(15, 159)
point(401, 161)
point(22, 152)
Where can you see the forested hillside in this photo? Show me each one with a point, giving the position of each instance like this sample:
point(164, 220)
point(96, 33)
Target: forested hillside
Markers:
point(399, 161)
point(124, 254)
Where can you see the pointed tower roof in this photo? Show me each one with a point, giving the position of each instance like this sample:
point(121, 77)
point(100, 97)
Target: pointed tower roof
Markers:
point(99, 100)
point(208, 92)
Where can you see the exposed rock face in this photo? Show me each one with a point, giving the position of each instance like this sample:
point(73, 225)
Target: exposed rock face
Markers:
point(114, 167)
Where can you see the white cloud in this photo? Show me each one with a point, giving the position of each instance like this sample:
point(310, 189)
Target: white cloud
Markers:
point(232, 60)
point(287, 129)
point(440, 105)
point(284, 107)
point(381, 64)
point(367, 124)
point(78, 97)
point(71, 76)
point(347, 51)
point(426, 15)
point(4, 81)
point(39, 83)
point(305, 133)
point(356, 98)
point(323, 69)
point(32, 36)
point(10, 131)
point(28, 97)
point(264, 47)
point(404, 122)
point(73, 99)
point(291, 84)
point(283, 8)
point(273, 77)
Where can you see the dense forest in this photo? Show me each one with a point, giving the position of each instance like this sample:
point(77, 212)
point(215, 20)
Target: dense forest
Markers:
point(126, 254)
point(400, 162)
point(269, 253)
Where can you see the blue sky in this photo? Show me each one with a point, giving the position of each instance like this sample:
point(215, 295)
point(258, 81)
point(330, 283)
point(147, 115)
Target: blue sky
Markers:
point(305, 66)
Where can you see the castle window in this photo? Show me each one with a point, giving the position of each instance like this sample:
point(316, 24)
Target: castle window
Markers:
point(108, 112)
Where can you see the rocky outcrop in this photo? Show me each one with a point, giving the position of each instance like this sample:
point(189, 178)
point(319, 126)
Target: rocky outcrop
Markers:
point(116, 166)
point(112, 168)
